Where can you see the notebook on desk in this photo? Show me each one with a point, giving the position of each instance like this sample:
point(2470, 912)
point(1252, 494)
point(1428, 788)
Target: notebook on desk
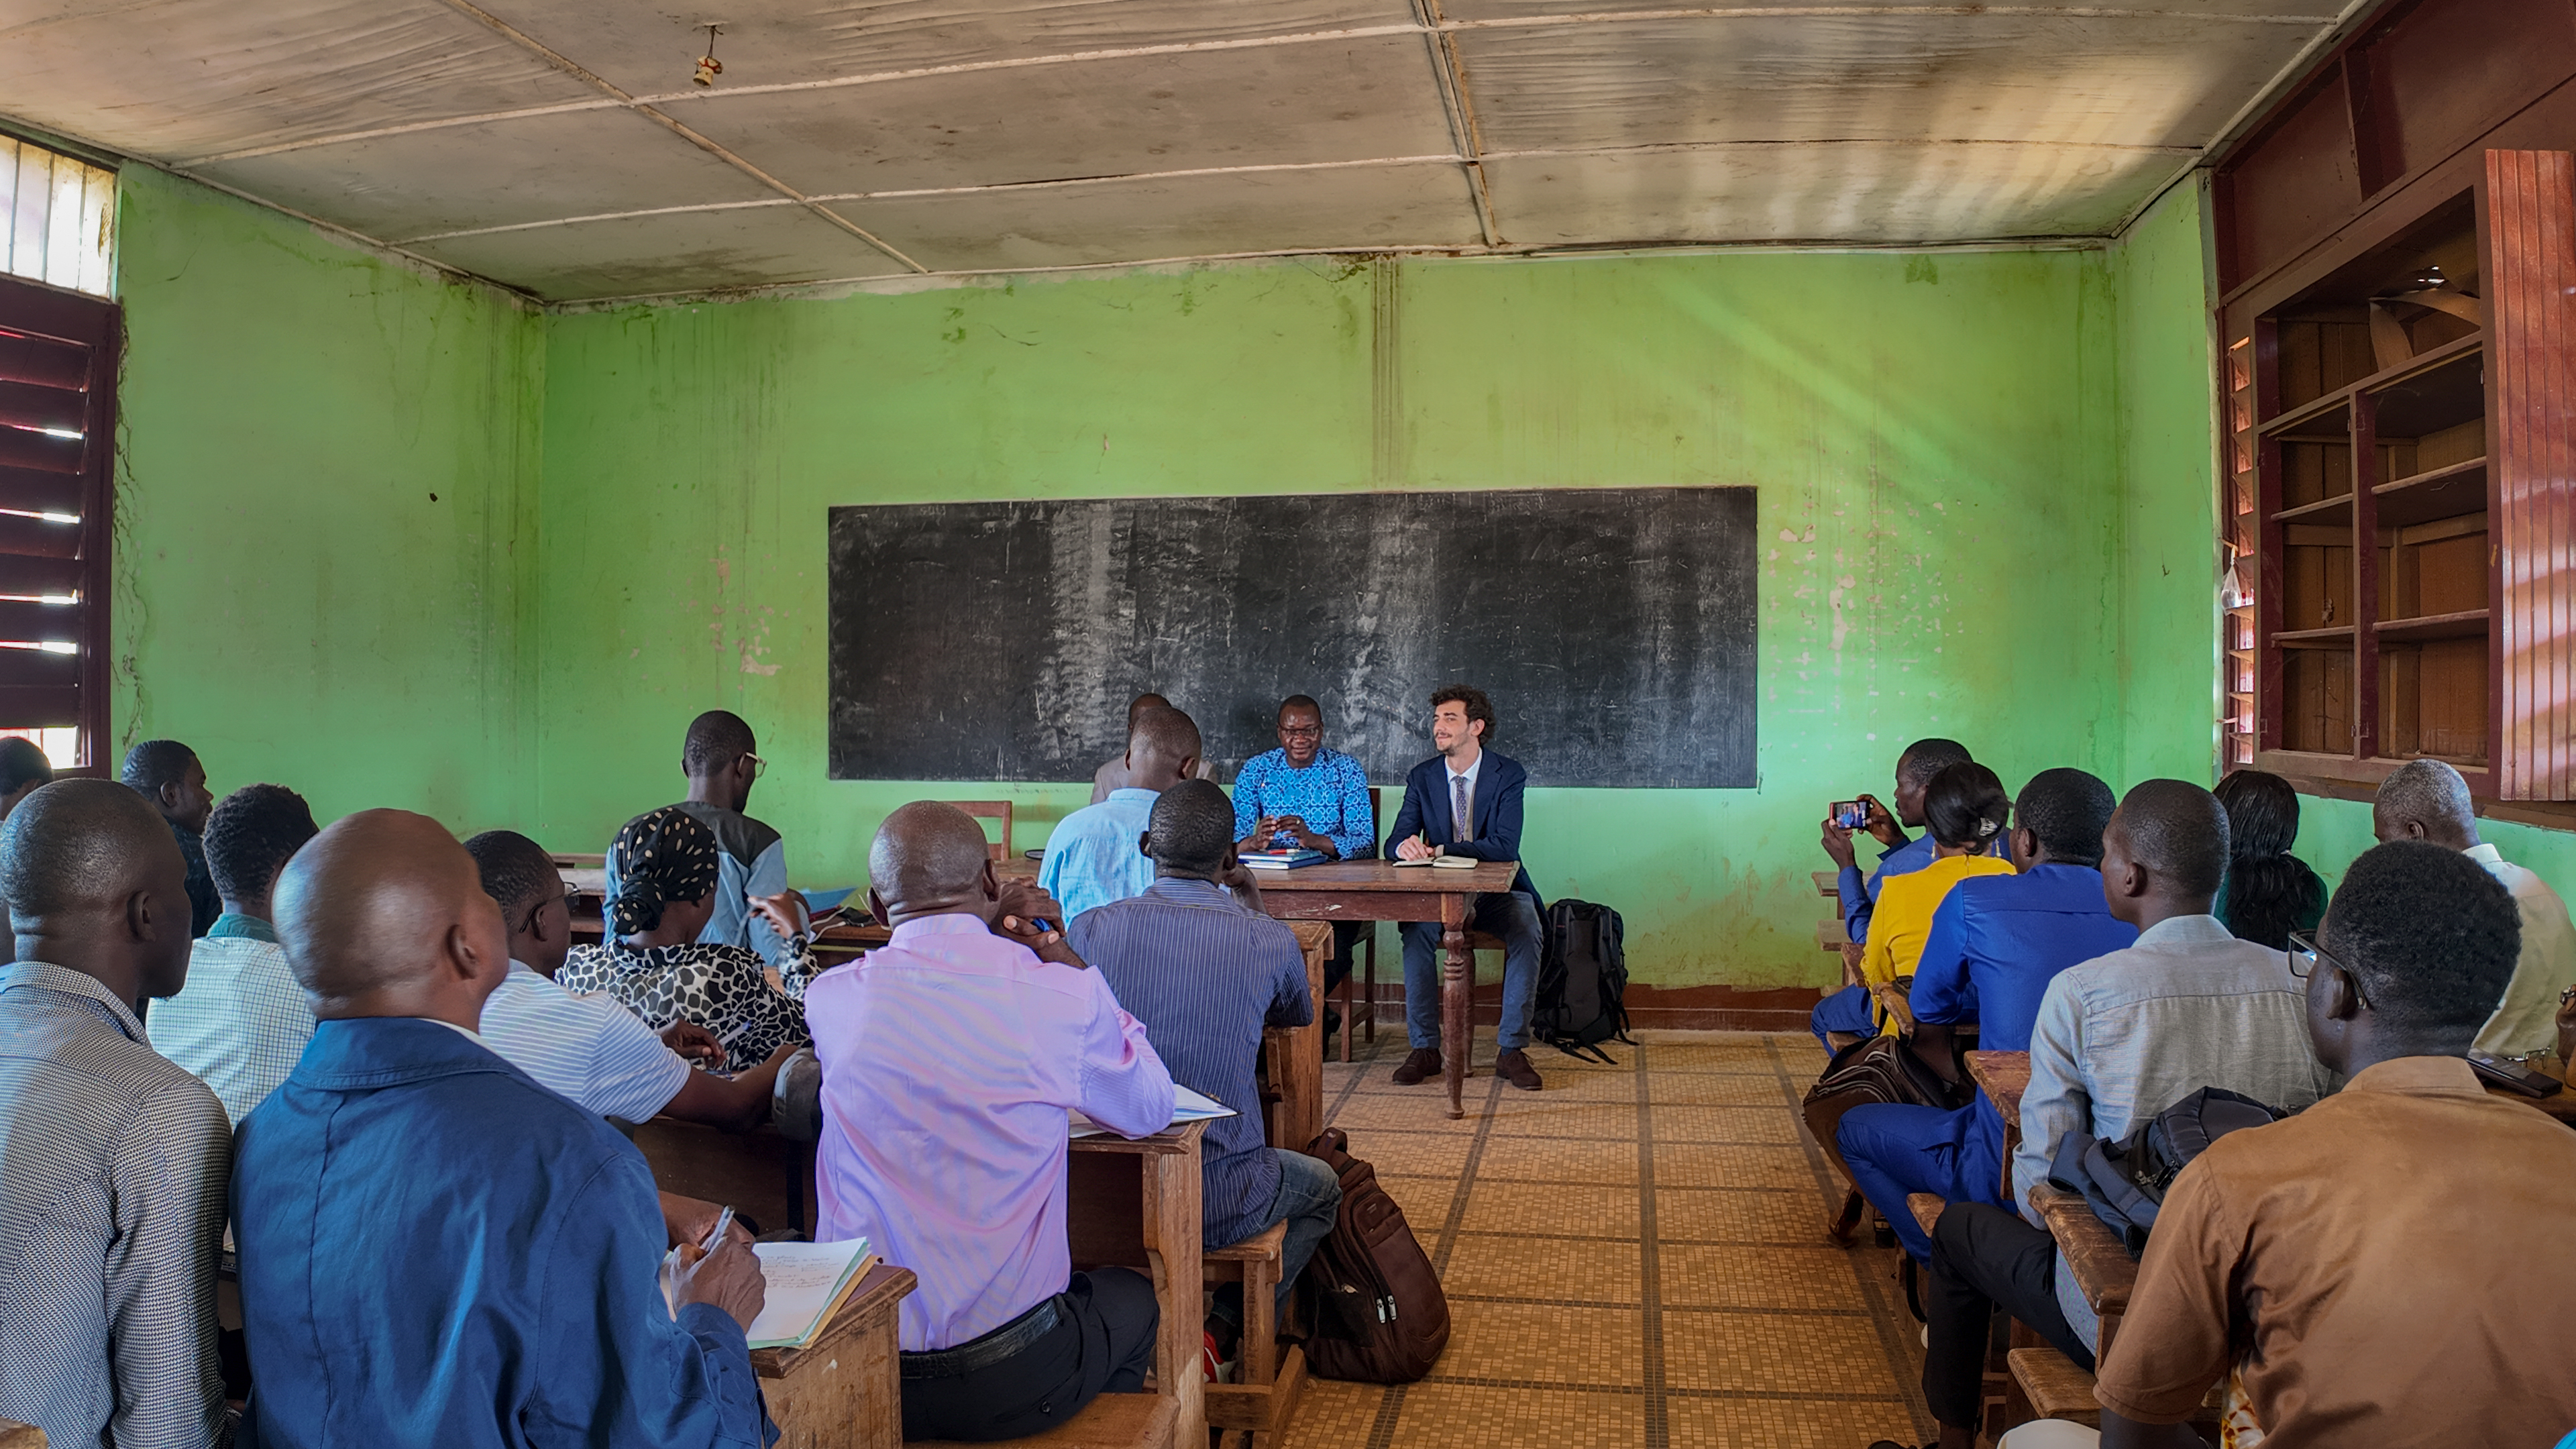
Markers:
point(1445, 862)
point(1187, 1106)
point(1283, 859)
point(807, 1283)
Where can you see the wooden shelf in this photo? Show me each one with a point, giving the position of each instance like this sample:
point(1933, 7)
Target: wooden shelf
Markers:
point(2439, 493)
point(2464, 624)
point(2337, 509)
point(2317, 408)
point(2325, 638)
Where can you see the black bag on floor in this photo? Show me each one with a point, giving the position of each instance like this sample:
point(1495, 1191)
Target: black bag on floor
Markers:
point(2125, 1181)
point(1582, 978)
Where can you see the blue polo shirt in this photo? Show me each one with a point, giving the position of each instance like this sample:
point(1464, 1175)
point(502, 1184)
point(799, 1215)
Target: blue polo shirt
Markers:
point(1996, 943)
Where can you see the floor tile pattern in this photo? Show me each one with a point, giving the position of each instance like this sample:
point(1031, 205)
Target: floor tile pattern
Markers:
point(1634, 1256)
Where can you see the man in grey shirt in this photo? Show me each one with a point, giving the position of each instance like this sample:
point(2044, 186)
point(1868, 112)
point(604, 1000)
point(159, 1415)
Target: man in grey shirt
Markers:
point(2119, 1038)
point(112, 1210)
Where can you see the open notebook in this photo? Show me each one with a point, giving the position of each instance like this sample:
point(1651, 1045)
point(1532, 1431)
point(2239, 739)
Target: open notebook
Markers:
point(1187, 1106)
point(806, 1283)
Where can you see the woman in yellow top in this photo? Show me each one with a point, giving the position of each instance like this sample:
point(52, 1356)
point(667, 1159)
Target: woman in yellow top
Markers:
point(1966, 810)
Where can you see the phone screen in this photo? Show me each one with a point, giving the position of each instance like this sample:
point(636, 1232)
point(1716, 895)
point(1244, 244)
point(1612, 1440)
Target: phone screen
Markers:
point(1851, 814)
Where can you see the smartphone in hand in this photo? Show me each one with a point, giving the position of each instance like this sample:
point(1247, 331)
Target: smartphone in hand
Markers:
point(1850, 814)
point(2513, 1076)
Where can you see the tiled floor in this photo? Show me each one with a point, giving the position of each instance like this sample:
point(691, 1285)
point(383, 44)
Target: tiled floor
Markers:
point(1635, 1256)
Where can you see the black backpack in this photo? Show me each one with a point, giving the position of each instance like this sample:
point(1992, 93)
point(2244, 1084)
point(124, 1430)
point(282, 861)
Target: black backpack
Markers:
point(2125, 1181)
point(1582, 975)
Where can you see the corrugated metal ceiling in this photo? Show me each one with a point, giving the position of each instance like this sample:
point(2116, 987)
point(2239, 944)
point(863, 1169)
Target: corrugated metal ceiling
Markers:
point(558, 146)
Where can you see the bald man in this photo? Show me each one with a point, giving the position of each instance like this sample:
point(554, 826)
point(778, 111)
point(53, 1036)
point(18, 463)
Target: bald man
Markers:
point(1096, 854)
point(112, 1207)
point(435, 1249)
point(2427, 800)
point(950, 1056)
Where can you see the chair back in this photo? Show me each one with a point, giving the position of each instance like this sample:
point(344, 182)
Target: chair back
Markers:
point(991, 810)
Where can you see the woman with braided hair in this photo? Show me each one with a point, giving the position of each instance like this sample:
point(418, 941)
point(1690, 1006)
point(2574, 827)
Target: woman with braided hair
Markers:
point(654, 964)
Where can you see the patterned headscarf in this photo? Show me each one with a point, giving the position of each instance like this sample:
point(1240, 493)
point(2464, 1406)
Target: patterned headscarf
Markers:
point(662, 856)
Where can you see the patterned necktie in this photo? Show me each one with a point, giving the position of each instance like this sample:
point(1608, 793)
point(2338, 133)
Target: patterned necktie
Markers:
point(1463, 818)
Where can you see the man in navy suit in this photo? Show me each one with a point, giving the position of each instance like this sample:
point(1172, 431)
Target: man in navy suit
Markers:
point(1467, 801)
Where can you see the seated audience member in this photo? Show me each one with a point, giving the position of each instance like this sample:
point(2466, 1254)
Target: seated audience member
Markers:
point(950, 1056)
point(1466, 800)
point(2427, 800)
point(2383, 1268)
point(2268, 892)
point(1113, 776)
point(1850, 1009)
point(1965, 811)
point(23, 769)
point(657, 966)
point(1205, 972)
point(721, 759)
point(590, 1049)
point(2118, 1037)
point(168, 774)
point(1093, 858)
point(112, 1208)
point(1304, 794)
point(1995, 944)
point(242, 1021)
point(434, 1249)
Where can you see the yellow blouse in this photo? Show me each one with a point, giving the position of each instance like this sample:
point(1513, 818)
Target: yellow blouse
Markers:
point(1903, 916)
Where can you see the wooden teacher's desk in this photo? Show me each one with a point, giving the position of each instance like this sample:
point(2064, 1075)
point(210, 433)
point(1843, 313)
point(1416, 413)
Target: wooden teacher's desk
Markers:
point(1379, 890)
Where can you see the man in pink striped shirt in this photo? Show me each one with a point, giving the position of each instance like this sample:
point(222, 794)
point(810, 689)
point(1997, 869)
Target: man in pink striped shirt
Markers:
point(949, 1058)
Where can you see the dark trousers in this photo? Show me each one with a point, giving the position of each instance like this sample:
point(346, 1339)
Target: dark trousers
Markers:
point(1984, 1258)
point(1102, 1343)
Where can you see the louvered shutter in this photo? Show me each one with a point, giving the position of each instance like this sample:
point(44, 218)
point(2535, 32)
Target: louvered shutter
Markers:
point(58, 355)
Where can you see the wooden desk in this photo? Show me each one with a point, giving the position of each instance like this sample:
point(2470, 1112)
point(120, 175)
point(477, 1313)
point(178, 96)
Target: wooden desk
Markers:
point(19, 1436)
point(1896, 998)
point(1136, 1205)
point(1829, 884)
point(2088, 1249)
point(1379, 890)
point(2003, 1077)
point(845, 1389)
point(1295, 1054)
point(768, 1178)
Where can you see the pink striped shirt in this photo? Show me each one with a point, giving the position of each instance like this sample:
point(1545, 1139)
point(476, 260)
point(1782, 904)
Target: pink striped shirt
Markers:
point(949, 1057)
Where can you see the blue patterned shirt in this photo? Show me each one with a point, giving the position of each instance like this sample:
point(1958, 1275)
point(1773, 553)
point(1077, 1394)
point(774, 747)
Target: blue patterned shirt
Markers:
point(1332, 794)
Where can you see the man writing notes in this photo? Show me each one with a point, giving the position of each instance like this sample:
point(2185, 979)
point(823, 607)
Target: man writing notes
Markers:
point(1466, 800)
point(950, 1055)
point(435, 1249)
point(1304, 794)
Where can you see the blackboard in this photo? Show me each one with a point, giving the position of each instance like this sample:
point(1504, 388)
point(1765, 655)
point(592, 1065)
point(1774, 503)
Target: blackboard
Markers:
point(1614, 629)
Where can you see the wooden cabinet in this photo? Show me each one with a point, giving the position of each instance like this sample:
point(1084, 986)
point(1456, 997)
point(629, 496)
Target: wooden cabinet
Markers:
point(2398, 421)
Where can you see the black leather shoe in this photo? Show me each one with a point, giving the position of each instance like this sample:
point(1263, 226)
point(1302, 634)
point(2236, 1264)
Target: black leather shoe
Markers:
point(1420, 1064)
point(1513, 1066)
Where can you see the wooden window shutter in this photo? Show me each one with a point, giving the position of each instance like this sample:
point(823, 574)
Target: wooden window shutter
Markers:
point(58, 361)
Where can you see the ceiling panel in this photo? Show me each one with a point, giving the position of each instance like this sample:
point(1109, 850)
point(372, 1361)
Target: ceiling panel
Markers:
point(182, 79)
point(649, 49)
point(687, 252)
point(1994, 76)
point(1478, 12)
point(497, 173)
point(1862, 192)
point(1346, 209)
point(1325, 102)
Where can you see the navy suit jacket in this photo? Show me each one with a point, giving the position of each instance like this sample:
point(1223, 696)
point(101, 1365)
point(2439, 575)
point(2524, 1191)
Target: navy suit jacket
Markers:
point(1496, 811)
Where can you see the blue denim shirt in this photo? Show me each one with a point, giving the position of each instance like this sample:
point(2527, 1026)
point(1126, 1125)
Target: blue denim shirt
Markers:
point(1094, 857)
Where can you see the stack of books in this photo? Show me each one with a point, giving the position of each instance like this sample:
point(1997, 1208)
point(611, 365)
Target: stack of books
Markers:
point(1288, 859)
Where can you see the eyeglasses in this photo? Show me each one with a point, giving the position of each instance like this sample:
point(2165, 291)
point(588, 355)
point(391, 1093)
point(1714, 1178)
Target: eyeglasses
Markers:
point(759, 766)
point(1301, 731)
point(2305, 953)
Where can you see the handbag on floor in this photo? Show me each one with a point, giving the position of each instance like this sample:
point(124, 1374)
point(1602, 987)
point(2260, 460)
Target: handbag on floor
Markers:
point(1873, 1069)
point(1379, 1314)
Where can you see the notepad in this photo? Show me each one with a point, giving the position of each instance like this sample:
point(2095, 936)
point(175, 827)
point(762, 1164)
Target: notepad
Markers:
point(819, 902)
point(806, 1285)
point(1445, 862)
point(1187, 1106)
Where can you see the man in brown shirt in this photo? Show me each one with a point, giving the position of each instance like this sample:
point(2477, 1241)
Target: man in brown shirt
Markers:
point(2388, 1267)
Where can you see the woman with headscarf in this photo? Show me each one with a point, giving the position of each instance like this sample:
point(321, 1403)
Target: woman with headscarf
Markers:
point(655, 965)
point(2268, 892)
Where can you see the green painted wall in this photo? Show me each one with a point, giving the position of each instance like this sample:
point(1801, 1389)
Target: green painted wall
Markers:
point(1937, 440)
point(327, 473)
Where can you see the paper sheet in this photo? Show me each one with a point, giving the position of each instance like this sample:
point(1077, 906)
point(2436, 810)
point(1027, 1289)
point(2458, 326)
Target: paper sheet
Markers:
point(1187, 1106)
point(804, 1281)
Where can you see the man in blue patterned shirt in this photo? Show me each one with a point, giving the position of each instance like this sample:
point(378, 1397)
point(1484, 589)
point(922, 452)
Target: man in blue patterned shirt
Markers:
point(1304, 794)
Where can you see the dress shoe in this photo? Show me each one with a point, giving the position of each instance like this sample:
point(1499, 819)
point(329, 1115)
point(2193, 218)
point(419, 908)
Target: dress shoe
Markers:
point(1513, 1067)
point(1420, 1064)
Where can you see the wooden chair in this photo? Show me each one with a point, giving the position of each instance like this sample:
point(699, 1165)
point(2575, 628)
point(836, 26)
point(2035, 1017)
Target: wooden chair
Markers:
point(2046, 1384)
point(991, 810)
point(1263, 1395)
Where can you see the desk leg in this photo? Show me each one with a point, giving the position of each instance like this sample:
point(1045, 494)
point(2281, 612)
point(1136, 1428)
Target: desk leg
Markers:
point(1457, 999)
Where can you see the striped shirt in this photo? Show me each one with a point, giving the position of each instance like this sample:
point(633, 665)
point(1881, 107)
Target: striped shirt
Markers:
point(1205, 976)
point(111, 1219)
point(587, 1049)
point(241, 1022)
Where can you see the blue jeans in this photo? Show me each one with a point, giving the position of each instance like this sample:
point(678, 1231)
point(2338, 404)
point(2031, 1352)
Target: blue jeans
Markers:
point(1849, 1009)
point(1512, 916)
point(1893, 1149)
point(1310, 1198)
